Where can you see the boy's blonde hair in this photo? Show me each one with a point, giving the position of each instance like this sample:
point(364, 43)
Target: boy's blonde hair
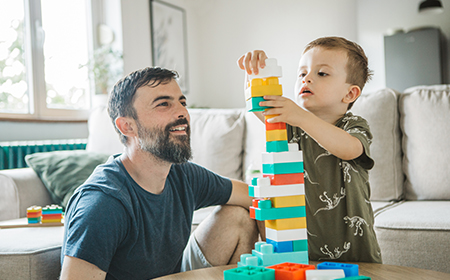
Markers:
point(358, 72)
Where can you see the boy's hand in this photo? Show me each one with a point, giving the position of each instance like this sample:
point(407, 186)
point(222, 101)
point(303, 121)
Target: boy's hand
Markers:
point(252, 61)
point(286, 110)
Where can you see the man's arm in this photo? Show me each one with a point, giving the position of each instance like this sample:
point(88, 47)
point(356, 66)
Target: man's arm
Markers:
point(75, 268)
point(239, 196)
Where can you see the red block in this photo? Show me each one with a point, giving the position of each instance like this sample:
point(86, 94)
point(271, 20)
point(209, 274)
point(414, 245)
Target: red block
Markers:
point(274, 126)
point(51, 216)
point(34, 214)
point(252, 212)
point(286, 179)
point(291, 271)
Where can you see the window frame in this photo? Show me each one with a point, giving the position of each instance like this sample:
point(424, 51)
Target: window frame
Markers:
point(34, 52)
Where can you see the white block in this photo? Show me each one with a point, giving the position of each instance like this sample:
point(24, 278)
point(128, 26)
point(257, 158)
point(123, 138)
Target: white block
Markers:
point(293, 147)
point(324, 274)
point(271, 70)
point(278, 190)
point(286, 235)
point(271, 158)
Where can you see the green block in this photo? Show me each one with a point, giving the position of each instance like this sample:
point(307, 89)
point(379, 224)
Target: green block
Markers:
point(265, 204)
point(251, 191)
point(300, 245)
point(252, 105)
point(277, 146)
point(280, 213)
point(360, 277)
point(283, 168)
point(249, 273)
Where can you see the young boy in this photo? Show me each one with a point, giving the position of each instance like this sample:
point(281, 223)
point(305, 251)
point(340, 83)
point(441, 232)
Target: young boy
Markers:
point(335, 145)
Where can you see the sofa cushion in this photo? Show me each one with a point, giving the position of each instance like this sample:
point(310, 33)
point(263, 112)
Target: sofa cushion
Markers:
point(380, 110)
point(425, 116)
point(415, 233)
point(63, 171)
point(255, 145)
point(30, 253)
point(9, 208)
point(217, 137)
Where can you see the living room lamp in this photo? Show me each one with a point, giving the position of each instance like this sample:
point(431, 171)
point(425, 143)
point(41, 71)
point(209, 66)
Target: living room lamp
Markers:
point(431, 7)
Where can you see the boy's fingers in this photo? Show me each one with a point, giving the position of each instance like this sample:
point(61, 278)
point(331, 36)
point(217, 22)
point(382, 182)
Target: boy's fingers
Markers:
point(262, 59)
point(240, 62)
point(247, 59)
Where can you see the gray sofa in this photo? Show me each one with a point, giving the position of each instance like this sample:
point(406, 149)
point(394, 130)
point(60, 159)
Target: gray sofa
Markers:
point(410, 183)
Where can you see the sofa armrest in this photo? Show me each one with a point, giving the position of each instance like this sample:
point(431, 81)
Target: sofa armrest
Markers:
point(20, 188)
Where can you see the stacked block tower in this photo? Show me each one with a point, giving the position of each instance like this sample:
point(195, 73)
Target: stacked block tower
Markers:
point(280, 192)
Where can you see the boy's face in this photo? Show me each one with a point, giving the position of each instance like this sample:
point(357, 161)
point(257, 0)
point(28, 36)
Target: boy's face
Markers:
point(321, 84)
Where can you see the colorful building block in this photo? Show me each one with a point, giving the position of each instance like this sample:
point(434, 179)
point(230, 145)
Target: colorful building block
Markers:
point(326, 274)
point(291, 271)
point(283, 168)
point(259, 90)
point(52, 214)
point(252, 105)
point(34, 214)
point(281, 246)
point(271, 70)
point(349, 269)
point(276, 191)
point(273, 126)
point(288, 201)
point(286, 235)
point(285, 179)
point(248, 260)
point(267, 256)
point(249, 273)
point(284, 224)
point(277, 146)
point(289, 156)
point(263, 214)
point(276, 135)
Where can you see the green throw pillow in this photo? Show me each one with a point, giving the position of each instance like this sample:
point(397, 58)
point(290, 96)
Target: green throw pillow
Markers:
point(63, 171)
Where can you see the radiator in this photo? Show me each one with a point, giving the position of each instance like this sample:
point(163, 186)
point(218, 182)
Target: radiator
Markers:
point(12, 154)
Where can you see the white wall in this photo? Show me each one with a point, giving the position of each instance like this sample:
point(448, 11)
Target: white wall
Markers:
point(376, 17)
point(220, 31)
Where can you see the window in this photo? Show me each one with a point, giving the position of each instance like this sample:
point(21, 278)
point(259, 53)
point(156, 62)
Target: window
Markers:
point(44, 52)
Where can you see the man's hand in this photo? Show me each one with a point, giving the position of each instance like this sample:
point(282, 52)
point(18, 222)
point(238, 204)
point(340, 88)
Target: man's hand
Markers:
point(75, 268)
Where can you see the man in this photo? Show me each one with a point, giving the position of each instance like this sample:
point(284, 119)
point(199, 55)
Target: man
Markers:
point(132, 218)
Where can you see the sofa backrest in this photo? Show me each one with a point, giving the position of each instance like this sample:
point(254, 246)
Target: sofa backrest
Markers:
point(425, 122)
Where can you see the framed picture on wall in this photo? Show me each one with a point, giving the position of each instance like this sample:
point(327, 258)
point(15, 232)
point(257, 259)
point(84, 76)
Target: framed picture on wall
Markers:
point(169, 42)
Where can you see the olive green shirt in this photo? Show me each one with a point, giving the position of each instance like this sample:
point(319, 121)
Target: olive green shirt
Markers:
point(338, 210)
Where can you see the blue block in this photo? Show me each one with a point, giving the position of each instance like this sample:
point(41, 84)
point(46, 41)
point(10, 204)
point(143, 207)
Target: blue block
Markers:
point(249, 273)
point(283, 168)
point(277, 146)
point(252, 105)
point(349, 269)
point(281, 246)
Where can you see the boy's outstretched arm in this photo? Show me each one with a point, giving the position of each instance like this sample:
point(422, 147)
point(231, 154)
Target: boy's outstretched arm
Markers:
point(334, 139)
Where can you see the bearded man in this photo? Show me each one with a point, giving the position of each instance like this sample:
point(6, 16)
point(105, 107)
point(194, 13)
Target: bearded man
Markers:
point(132, 218)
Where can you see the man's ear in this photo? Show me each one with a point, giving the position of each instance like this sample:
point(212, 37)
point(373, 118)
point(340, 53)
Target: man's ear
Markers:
point(353, 93)
point(126, 126)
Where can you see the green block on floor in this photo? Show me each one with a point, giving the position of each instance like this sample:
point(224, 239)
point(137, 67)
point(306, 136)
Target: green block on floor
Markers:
point(277, 146)
point(283, 168)
point(300, 245)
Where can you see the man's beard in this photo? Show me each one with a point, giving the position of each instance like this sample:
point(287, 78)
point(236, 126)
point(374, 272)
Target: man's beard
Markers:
point(158, 142)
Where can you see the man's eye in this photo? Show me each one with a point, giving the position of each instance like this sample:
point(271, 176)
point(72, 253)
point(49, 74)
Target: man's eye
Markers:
point(163, 104)
point(322, 74)
point(184, 104)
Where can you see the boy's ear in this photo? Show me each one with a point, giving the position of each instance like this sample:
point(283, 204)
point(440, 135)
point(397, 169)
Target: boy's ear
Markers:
point(353, 93)
point(126, 126)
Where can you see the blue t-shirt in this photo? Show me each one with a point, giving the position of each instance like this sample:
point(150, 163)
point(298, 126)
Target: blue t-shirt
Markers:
point(130, 233)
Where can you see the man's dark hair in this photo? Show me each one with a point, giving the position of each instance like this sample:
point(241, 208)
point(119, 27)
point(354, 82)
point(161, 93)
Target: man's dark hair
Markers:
point(120, 103)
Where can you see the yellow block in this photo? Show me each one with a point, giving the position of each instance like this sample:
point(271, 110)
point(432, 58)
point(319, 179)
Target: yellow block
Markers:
point(34, 209)
point(283, 224)
point(288, 201)
point(261, 90)
point(276, 135)
point(51, 221)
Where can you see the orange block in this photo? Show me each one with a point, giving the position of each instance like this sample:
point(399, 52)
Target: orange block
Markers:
point(273, 126)
point(286, 179)
point(291, 271)
point(34, 214)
